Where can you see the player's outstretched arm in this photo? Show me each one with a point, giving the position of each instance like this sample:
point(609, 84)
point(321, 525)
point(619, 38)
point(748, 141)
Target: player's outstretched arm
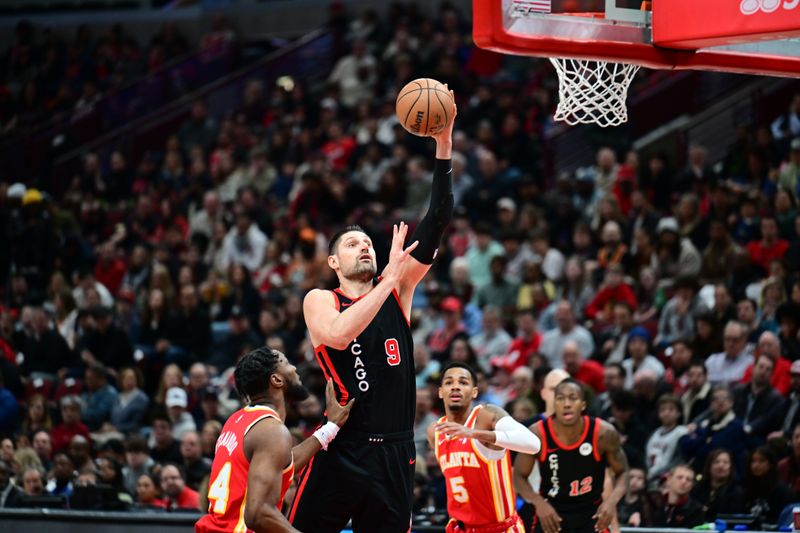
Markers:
point(330, 327)
point(496, 429)
point(430, 229)
point(322, 437)
point(611, 447)
point(269, 445)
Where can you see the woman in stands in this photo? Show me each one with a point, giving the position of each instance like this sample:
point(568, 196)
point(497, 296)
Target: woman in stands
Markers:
point(718, 490)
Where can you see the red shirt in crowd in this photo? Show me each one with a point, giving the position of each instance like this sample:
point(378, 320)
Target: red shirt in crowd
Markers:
point(520, 352)
point(591, 373)
point(187, 499)
point(781, 377)
point(62, 435)
point(111, 274)
point(762, 256)
point(605, 299)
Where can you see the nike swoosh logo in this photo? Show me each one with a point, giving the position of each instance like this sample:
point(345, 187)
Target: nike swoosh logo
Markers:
point(347, 304)
point(412, 461)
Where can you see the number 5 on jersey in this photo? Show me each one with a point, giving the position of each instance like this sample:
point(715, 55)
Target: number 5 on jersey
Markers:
point(392, 352)
point(458, 489)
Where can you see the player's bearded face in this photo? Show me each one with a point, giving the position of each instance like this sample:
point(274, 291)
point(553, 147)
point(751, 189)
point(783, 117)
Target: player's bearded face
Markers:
point(362, 267)
point(296, 391)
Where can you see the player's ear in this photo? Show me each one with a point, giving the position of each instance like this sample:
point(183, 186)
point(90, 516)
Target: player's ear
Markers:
point(474, 392)
point(276, 380)
point(333, 261)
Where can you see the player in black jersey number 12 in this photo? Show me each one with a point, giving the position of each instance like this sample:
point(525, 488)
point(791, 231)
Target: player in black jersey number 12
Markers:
point(576, 450)
point(362, 342)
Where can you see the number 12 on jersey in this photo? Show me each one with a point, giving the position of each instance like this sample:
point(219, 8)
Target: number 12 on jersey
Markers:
point(577, 488)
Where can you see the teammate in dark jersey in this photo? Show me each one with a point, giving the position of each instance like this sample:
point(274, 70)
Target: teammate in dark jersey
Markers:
point(576, 450)
point(254, 460)
point(362, 341)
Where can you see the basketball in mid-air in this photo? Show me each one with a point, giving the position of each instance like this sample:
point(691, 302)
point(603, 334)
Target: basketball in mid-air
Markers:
point(424, 107)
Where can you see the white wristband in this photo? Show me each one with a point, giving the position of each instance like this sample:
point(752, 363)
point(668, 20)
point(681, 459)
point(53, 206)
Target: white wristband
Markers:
point(326, 434)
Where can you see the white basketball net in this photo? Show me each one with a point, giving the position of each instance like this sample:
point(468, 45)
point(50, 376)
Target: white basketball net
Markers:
point(592, 92)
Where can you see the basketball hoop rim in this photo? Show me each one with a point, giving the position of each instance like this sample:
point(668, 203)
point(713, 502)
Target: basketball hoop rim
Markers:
point(489, 33)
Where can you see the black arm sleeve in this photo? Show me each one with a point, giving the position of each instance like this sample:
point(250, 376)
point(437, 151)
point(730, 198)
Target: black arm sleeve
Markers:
point(440, 211)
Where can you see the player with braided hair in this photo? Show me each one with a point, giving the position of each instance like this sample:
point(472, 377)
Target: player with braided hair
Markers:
point(254, 460)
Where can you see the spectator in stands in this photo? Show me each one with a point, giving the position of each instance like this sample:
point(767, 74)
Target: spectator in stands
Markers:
point(634, 509)
point(765, 495)
point(423, 418)
point(623, 418)
point(553, 341)
point(63, 474)
point(480, 253)
point(575, 287)
point(499, 292)
point(130, 405)
point(199, 129)
point(137, 462)
point(355, 75)
point(99, 398)
point(662, 447)
point(614, 375)
point(677, 508)
point(452, 325)
point(105, 343)
point(177, 494)
point(718, 490)
point(790, 416)
point(770, 345)
point(70, 425)
point(729, 366)
point(195, 465)
point(747, 314)
point(787, 125)
point(698, 173)
point(638, 346)
point(492, 341)
point(586, 371)
point(680, 357)
point(552, 260)
point(720, 428)
point(676, 256)
point(163, 446)
point(190, 328)
point(615, 341)
point(45, 351)
point(245, 243)
point(788, 318)
point(789, 467)
point(148, 493)
point(525, 344)
point(37, 416)
point(33, 481)
point(209, 436)
point(719, 254)
point(43, 446)
point(677, 317)
point(789, 173)
point(80, 450)
point(769, 247)
point(757, 403)
point(9, 492)
point(177, 402)
point(614, 289)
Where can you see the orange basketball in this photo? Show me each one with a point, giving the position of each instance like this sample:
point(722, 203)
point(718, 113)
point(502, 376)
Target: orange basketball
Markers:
point(424, 107)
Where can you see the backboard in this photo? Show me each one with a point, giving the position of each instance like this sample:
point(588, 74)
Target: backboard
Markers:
point(744, 36)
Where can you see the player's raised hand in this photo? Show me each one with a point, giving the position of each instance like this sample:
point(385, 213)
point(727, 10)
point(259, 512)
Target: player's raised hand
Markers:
point(337, 413)
point(398, 256)
point(605, 512)
point(454, 430)
point(446, 135)
point(548, 517)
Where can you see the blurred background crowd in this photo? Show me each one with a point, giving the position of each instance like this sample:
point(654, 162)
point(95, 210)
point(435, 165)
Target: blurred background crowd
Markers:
point(672, 293)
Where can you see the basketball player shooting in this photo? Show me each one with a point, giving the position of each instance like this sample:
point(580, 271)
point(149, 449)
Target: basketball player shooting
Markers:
point(471, 445)
point(576, 450)
point(362, 341)
point(254, 460)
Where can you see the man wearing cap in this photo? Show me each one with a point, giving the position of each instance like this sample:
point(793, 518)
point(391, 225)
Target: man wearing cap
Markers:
point(177, 401)
point(677, 255)
point(770, 345)
point(640, 359)
point(441, 338)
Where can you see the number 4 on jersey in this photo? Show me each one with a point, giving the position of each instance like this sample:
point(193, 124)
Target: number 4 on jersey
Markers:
point(220, 489)
point(392, 352)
